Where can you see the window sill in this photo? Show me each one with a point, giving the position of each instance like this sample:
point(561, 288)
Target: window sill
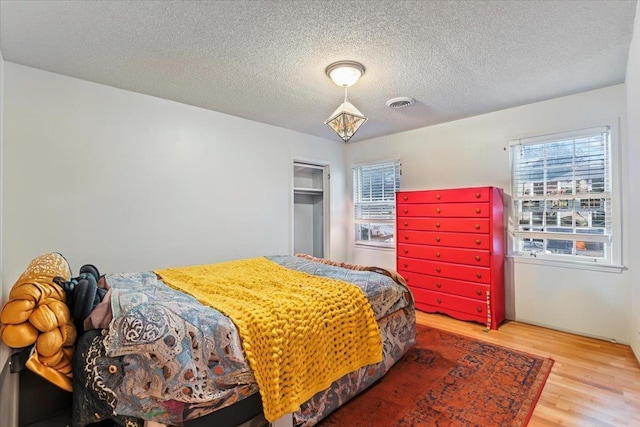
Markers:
point(576, 265)
point(374, 246)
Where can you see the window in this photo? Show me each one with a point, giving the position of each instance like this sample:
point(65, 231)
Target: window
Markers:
point(374, 194)
point(563, 196)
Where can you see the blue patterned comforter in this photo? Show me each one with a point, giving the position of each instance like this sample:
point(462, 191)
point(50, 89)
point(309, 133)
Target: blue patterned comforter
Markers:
point(168, 358)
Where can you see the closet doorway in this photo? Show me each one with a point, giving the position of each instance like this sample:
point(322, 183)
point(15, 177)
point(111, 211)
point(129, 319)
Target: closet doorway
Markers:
point(311, 208)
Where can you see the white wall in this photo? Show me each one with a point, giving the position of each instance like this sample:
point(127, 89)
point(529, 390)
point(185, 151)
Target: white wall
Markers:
point(131, 182)
point(8, 381)
point(4, 289)
point(633, 114)
point(474, 152)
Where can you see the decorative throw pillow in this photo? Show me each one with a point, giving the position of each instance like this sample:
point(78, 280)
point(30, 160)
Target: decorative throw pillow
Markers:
point(36, 313)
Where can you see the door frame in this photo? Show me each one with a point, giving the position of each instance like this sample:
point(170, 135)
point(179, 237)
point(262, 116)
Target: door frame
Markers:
point(326, 220)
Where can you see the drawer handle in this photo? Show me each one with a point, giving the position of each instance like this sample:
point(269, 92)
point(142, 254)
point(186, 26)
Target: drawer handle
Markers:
point(438, 285)
point(406, 211)
point(406, 279)
point(406, 265)
point(478, 292)
point(406, 224)
point(437, 254)
point(437, 225)
point(406, 251)
point(438, 210)
point(477, 226)
point(439, 300)
point(405, 198)
point(478, 275)
point(477, 195)
point(437, 239)
point(406, 237)
point(477, 257)
point(437, 197)
point(438, 269)
point(479, 309)
point(478, 241)
point(477, 210)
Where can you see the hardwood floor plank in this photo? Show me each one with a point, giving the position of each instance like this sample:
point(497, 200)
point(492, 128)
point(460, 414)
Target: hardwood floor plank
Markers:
point(592, 383)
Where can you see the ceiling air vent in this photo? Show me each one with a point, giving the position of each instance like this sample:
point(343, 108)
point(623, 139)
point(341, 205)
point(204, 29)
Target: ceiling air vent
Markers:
point(403, 101)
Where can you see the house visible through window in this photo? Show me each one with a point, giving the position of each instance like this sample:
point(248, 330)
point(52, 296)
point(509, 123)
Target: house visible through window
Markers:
point(563, 197)
point(374, 192)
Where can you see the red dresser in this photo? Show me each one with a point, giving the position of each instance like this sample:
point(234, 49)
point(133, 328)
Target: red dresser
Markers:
point(451, 251)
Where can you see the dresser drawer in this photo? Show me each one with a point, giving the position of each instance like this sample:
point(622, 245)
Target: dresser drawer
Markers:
point(439, 210)
point(451, 302)
point(445, 269)
point(445, 254)
point(447, 286)
point(436, 238)
point(445, 196)
point(461, 225)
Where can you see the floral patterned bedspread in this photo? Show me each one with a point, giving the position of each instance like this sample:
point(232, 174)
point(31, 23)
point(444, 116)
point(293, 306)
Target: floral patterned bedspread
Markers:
point(168, 358)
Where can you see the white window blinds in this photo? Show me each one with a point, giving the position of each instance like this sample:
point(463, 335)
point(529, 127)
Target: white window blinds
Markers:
point(374, 193)
point(561, 186)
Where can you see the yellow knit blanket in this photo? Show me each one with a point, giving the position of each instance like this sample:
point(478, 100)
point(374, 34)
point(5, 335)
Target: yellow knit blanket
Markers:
point(299, 332)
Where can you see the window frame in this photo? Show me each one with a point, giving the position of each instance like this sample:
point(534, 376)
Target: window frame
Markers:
point(614, 261)
point(389, 220)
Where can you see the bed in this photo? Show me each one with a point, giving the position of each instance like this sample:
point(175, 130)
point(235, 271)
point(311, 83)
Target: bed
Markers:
point(154, 349)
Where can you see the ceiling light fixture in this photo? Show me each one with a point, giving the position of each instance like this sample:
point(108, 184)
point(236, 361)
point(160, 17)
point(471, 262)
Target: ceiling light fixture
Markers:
point(345, 73)
point(347, 119)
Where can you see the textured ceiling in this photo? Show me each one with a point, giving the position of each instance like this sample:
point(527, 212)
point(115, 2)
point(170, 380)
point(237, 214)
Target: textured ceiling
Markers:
point(265, 60)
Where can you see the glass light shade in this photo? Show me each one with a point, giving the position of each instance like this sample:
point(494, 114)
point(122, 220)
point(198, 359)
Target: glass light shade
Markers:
point(345, 73)
point(346, 120)
point(345, 76)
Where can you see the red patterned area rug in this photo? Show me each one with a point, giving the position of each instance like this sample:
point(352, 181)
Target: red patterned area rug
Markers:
point(450, 380)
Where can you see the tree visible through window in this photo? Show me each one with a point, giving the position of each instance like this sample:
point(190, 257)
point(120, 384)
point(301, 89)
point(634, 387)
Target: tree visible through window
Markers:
point(374, 193)
point(562, 195)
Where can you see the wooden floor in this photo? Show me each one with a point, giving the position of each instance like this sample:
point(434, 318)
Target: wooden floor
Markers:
point(592, 383)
